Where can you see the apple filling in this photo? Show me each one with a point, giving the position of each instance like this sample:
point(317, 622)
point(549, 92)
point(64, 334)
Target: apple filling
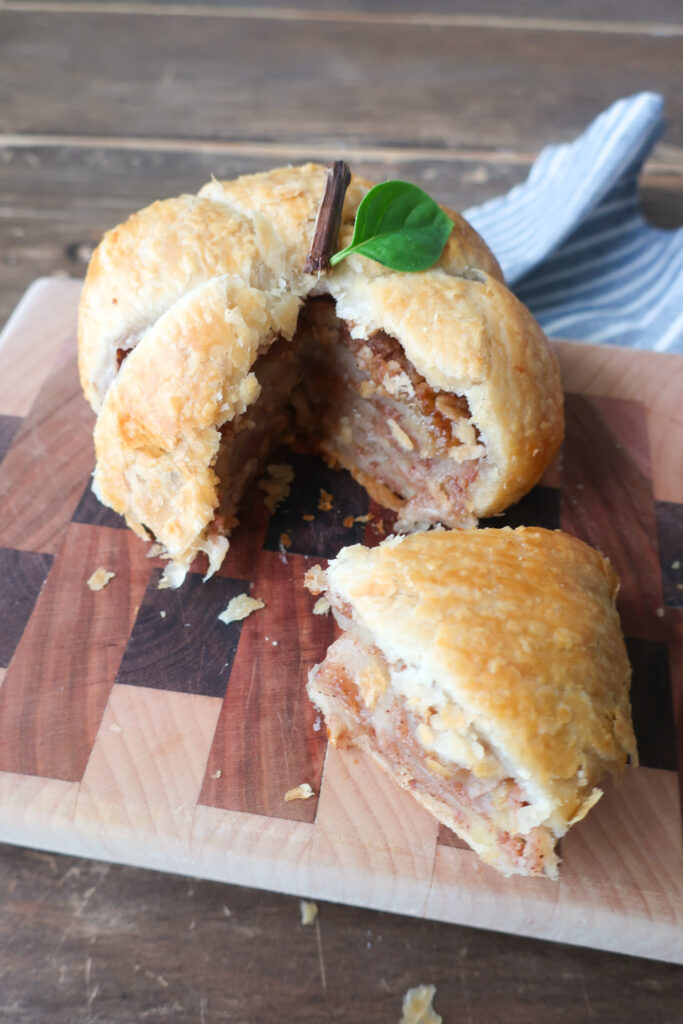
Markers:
point(362, 403)
point(433, 752)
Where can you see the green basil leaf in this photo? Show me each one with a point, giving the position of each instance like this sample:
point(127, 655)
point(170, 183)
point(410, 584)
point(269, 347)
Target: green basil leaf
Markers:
point(399, 226)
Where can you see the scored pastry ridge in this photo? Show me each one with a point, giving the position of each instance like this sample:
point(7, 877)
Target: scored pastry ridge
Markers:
point(486, 672)
point(201, 340)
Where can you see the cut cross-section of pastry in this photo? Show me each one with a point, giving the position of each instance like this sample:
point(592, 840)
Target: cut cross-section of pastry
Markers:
point(486, 671)
point(203, 345)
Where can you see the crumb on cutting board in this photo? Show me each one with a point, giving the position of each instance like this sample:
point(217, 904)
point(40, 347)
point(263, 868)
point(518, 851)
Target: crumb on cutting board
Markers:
point(285, 540)
point(308, 518)
point(326, 500)
point(302, 792)
point(321, 606)
point(154, 550)
point(417, 1006)
point(240, 607)
point(309, 911)
point(100, 578)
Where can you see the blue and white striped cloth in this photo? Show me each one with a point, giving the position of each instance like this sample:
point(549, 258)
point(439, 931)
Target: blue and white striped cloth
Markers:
point(573, 243)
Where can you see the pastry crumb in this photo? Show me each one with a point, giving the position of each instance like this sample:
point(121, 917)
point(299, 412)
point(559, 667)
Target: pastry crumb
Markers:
point(676, 564)
point(115, 727)
point(285, 540)
point(217, 774)
point(365, 518)
point(321, 606)
point(162, 614)
point(154, 550)
point(308, 518)
point(326, 500)
point(660, 613)
point(240, 607)
point(348, 522)
point(417, 1006)
point(100, 578)
point(277, 484)
point(309, 911)
point(302, 792)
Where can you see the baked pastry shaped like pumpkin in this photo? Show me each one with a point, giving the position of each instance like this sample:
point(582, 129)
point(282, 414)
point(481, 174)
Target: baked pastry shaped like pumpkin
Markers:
point(202, 344)
point(486, 671)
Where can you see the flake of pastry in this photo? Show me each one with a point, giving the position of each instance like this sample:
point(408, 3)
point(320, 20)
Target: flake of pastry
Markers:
point(326, 500)
point(308, 518)
point(322, 606)
point(348, 522)
point(285, 540)
point(417, 1006)
point(486, 672)
point(302, 792)
point(365, 518)
point(100, 578)
point(308, 910)
point(241, 607)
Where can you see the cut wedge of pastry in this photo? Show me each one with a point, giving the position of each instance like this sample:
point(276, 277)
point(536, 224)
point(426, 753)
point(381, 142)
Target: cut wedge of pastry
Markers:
point(486, 671)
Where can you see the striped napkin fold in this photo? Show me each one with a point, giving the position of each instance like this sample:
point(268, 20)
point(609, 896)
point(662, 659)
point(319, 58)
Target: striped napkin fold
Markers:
point(574, 245)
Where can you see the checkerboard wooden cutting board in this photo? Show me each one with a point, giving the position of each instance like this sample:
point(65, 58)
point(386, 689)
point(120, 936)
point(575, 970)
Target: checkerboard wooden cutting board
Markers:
point(136, 727)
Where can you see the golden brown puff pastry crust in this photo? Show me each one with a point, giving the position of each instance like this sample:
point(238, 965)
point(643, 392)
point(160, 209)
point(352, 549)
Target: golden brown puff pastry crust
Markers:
point(167, 288)
point(519, 631)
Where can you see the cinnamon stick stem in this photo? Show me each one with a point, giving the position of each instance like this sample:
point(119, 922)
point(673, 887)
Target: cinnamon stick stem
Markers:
point(329, 218)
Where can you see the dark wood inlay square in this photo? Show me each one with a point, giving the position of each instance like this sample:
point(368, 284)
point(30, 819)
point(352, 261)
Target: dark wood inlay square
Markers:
point(22, 574)
point(652, 703)
point(324, 534)
point(540, 507)
point(9, 425)
point(670, 537)
point(178, 642)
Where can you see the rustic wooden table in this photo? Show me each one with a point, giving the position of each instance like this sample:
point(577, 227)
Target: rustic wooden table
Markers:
point(106, 106)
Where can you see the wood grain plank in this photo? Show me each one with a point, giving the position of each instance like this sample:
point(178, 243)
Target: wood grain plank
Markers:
point(208, 74)
point(44, 474)
point(141, 784)
point(373, 843)
point(515, 16)
point(54, 694)
point(266, 740)
point(176, 947)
